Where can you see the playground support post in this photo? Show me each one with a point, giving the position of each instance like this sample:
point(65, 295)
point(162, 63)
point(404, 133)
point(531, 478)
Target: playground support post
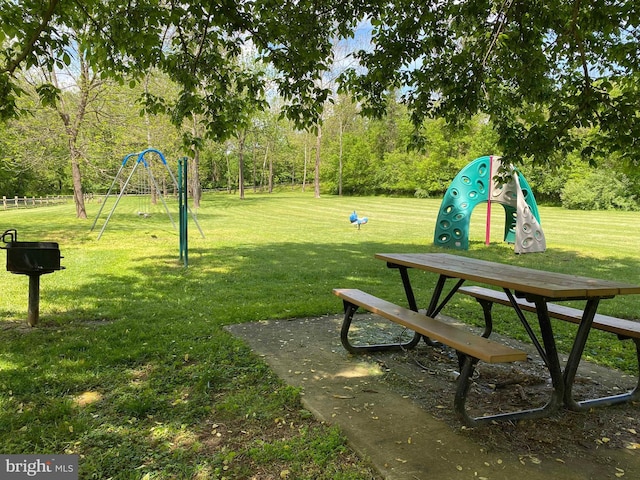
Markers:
point(182, 205)
point(488, 227)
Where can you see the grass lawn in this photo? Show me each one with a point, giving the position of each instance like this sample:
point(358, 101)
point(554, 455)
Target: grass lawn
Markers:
point(130, 367)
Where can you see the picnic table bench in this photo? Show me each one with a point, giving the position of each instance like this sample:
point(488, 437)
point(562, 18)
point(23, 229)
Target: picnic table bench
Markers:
point(469, 346)
point(623, 329)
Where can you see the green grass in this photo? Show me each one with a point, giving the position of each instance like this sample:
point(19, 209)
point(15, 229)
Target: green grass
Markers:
point(178, 397)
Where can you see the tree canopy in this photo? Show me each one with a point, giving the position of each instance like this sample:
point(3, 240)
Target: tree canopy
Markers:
point(199, 44)
point(543, 70)
point(551, 75)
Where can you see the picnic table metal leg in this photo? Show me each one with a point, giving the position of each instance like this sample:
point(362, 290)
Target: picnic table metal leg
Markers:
point(434, 309)
point(462, 391)
point(523, 320)
point(488, 317)
point(411, 298)
point(408, 289)
point(552, 360)
point(576, 351)
point(574, 361)
point(435, 296)
point(553, 364)
point(349, 310)
point(632, 395)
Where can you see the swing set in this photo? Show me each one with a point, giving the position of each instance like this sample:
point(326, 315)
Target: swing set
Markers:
point(144, 185)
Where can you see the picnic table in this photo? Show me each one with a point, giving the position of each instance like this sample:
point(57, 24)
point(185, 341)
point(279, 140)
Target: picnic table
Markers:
point(519, 284)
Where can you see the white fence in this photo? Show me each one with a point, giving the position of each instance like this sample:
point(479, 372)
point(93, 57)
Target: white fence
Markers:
point(33, 202)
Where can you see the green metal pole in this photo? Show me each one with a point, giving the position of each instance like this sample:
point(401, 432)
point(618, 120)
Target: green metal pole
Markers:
point(182, 207)
point(184, 213)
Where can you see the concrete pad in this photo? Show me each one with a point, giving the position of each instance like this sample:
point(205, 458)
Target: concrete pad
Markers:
point(401, 438)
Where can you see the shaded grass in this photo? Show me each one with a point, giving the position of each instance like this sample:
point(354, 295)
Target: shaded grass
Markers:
point(174, 395)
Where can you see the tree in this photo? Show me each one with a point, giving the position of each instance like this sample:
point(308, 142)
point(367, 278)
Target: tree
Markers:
point(72, 114)
point(345, 112)
point(538, 69)
point(197, 43)
point(242, 136)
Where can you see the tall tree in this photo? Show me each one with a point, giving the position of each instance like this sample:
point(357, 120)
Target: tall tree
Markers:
point(316, 176)
point(72, 113)
point(242, 136)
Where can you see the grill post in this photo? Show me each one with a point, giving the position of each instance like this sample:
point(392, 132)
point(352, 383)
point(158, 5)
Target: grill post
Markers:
point(33, 311)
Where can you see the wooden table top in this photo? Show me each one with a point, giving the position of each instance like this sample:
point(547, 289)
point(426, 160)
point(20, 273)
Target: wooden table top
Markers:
point(526, 280)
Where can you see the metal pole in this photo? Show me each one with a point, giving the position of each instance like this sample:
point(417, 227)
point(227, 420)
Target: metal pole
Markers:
point(184, 213)
point(180, 209)
point(488, 228)
point(183, 199)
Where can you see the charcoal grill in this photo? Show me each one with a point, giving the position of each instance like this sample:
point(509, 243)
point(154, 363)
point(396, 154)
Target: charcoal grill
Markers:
point(33, 259)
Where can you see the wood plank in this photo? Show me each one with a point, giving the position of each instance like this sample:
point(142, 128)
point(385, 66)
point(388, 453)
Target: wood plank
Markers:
point(528, 280)
point(619, 326)
point(462, 340)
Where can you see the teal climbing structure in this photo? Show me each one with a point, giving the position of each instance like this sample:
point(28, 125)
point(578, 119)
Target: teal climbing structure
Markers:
point(475, 184)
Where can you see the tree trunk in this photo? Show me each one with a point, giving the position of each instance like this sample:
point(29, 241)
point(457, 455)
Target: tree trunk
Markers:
point(340, 160)
point(268, 172)
point(255, 166)
point(241, 138)
point(228, 174)
point(78, 196)
point(271, 174)
point(194, 179)
point(215, 172)
point(293, 174)
point(194, 174)
point(85, 82)
point(74, 154)
point(316, 180)
point(304, 167)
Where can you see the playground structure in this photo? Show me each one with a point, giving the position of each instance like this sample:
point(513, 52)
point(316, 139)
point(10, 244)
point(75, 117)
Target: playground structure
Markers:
point(147, 184)
point(476, 183)
point(357, 221)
